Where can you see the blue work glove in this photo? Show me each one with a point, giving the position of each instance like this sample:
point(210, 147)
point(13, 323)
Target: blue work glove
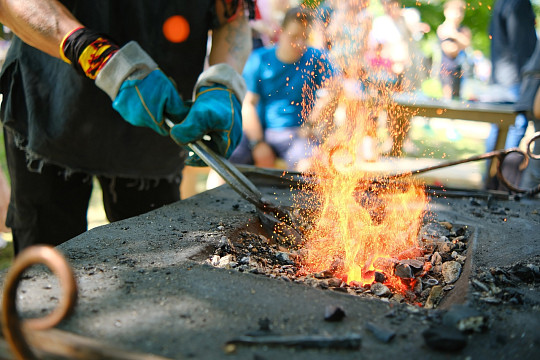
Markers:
point(216, 112)
point(140, 92)
point(144, 102)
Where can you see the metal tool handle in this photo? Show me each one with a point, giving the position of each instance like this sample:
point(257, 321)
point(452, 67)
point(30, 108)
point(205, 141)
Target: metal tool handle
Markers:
point(238, 181)
point(232, 176)
point(35, 338)
point(500, 155)
point(274, 218)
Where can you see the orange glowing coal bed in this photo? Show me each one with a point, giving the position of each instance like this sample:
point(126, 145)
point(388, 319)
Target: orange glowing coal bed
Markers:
point(358, 232)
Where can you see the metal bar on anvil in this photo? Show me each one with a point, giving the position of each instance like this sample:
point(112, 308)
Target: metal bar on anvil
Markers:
point(350, 341)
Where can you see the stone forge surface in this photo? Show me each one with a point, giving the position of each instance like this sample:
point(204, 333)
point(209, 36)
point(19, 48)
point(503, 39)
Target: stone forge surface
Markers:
point(143, 287)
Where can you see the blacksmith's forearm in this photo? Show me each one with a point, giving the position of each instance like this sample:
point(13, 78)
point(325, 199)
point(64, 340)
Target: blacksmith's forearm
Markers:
point(231, 44)
point(39, 23)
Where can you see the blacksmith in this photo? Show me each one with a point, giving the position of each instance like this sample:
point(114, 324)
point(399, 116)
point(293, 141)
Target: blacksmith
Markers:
point(86, 88)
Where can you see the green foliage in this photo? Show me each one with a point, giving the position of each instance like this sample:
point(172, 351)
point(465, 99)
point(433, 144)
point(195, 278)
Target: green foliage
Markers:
point(6, 256)
point(432, 87)
point(477, 18)
point(312, 3)
point(3, 161)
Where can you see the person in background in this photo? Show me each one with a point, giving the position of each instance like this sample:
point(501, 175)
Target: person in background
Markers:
point(397, 63)
point(348, 29)
point(281, 82)
point(267, 25)
point(86, 92)
point(529, 104)
point(396, 33)
point(454, 38)
point(343, 103)
point(513, 39)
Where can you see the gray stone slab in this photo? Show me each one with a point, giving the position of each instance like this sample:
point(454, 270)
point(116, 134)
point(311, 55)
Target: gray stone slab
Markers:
point(144, 287)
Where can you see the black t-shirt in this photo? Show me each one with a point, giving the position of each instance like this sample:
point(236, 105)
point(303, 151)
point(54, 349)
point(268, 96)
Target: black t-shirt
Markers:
point(60, 117)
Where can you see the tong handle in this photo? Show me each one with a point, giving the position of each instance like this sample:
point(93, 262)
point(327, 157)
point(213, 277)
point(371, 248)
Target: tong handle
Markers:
point(232, 176)
point(238, 181)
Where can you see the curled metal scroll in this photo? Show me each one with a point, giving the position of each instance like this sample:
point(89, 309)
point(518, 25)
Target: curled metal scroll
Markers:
point(12, 325)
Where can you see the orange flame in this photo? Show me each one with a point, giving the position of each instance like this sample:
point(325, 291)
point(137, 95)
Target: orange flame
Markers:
point(356, 226)
point(362, 224)
point(360, 220)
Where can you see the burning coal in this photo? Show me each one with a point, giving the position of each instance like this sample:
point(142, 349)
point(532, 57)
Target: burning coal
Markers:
point(356, 229)
point(418, 276)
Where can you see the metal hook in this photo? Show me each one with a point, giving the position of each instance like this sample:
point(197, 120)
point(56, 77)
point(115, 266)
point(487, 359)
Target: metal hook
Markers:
point(11, 324)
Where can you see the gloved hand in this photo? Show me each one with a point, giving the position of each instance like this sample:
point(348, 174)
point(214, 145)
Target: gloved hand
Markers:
point(141, 93)
point(216, 112)
point(144, 102)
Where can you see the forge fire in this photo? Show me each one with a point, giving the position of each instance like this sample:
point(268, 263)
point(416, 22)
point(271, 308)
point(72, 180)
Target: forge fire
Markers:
point(360, 224)
point(361, 233)
point(358, 231)
point(420, 275)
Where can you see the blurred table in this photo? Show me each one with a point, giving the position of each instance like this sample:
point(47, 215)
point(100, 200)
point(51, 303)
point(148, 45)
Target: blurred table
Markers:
point(502, 115)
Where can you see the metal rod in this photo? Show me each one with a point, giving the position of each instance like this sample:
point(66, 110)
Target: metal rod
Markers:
point(350, 341)
point(500, 155)
point(229, 173)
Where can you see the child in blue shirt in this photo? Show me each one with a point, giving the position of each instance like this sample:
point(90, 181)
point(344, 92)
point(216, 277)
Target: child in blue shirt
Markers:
point(281, 83)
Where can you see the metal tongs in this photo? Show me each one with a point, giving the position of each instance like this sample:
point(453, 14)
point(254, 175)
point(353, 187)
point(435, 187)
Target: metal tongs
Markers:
point(277, 220)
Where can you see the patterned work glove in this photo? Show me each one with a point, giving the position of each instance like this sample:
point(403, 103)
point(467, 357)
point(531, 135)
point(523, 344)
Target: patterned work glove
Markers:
point(141, 93)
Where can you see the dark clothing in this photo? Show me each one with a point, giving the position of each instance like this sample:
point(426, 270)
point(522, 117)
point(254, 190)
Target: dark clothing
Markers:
point(61, 129)
point(62, 118)
point(450, 74)
point(52, 208)
point(513, 39)
point(530, 84)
